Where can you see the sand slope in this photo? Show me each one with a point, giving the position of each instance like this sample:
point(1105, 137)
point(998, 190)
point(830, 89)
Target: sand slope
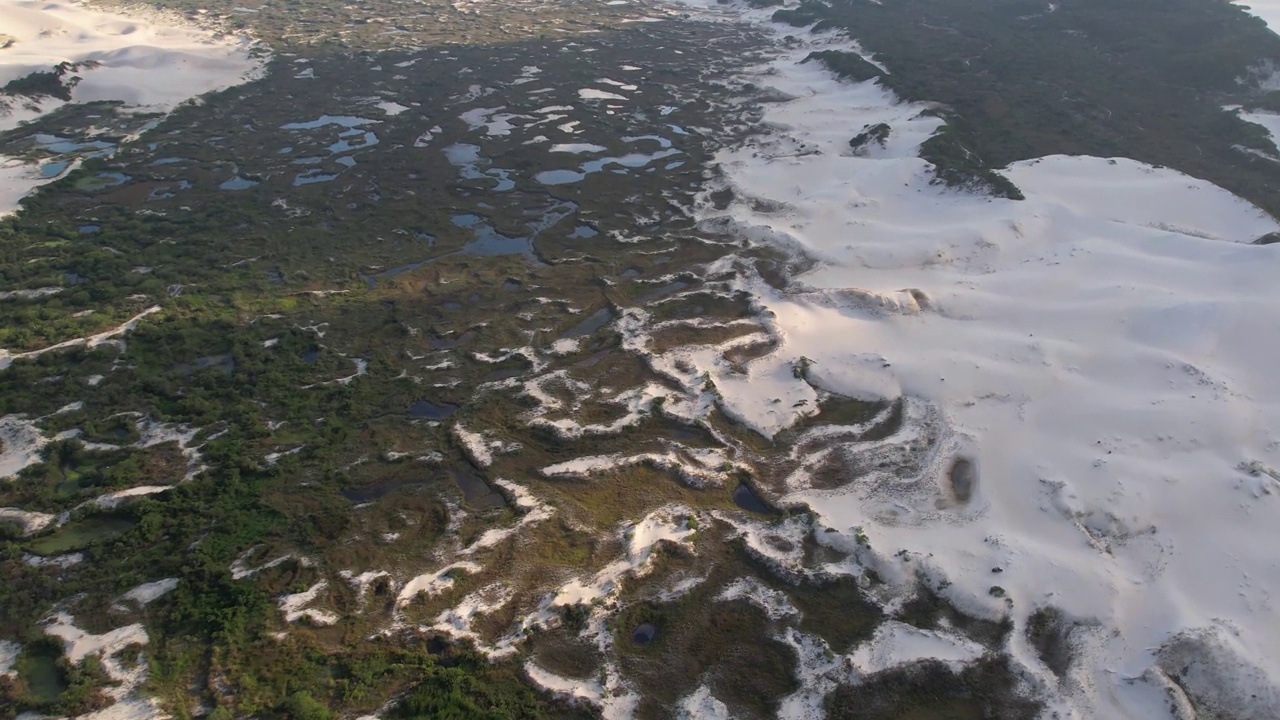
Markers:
point(1104, 350)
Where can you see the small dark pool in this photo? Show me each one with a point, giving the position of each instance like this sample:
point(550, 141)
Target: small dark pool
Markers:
point(44, 679)
point(506, 373)
point(238, 183)
point(644, 634)
point(963, 477)
point(224, 363)
point(440, 342)
point(592, 323)
point(475, 491)
point(747, 499)
point(664, 290)
point(430, 410)
point(376, 491)
point(53, 169)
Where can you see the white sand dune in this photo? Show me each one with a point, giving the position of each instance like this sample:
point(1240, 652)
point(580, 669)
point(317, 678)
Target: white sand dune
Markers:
point(119, 652)
point(1105, 350)
point(146, 62)
point(28, 522)
point(9, 651)
point(150, 592)
point(1268, 10)
point(91, 341)
point(17, 178)
point(1268, 120)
